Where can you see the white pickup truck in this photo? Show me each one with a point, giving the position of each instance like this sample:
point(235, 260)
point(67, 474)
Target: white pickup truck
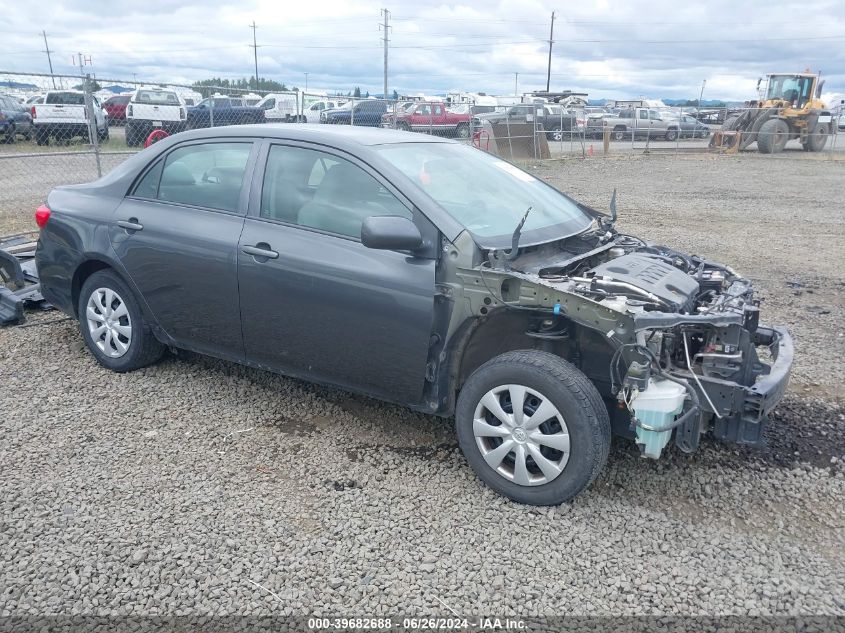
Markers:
point(640, 123)
point(153, 109)
point(63, 115)
point(312, 112)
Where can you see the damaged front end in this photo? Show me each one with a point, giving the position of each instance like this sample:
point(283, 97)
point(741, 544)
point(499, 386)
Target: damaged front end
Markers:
point(671, 341)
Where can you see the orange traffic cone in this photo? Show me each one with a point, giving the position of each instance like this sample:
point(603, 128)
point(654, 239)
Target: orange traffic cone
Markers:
point(590, 151)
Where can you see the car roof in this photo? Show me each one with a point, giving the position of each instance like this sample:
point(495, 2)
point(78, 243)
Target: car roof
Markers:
point(336, 135)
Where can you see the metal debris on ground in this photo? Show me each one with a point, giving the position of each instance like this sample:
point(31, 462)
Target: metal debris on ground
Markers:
point(19, 287)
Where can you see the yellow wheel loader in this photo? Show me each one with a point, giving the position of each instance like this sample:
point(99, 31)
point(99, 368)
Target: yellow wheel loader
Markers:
point(792, 109)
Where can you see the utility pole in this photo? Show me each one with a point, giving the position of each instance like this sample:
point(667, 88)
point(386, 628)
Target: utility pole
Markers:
point(255, 52)
point(701, 96)
point(385, 26)
point(306, 82)
point(516, 84)
point(551, 41)
point(49, 61)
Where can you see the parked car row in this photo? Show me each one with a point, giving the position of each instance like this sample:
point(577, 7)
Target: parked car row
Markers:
point(151, 113)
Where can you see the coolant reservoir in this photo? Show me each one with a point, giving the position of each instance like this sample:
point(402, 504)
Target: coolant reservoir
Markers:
point(657, 406)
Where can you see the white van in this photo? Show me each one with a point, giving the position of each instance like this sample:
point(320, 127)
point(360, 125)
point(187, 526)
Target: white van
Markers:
point(281, 108)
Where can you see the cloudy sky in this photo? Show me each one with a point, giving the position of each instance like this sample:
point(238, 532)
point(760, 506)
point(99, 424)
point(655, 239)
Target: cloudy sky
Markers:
point(622, 49)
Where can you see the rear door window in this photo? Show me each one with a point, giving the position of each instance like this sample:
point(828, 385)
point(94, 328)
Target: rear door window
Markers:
point(206, 175)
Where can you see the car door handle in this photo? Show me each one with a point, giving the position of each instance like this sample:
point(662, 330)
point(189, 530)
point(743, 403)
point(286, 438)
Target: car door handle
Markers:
point(130, 225)
point(261, 249)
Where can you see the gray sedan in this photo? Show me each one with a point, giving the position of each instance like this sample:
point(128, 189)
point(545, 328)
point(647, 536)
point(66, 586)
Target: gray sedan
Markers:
point(423, 272)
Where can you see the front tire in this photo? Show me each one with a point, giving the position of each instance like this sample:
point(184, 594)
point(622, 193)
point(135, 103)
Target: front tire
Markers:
point(772, 137)
point(112, 325)
point(133, 136)
point(545, 460)
point(462, 131)
point(10, 134)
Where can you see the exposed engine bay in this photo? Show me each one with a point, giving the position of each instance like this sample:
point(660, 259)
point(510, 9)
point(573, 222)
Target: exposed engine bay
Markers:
point(673, 339)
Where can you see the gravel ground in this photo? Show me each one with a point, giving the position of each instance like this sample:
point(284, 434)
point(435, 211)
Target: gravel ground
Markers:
point(199, 487)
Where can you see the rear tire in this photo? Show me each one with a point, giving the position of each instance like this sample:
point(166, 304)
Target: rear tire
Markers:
point(112, 325)
point(571, 441)
point(817, 139)
point(10, 134)
point(772, 137)
point(42, 137)
point(619, 134)
point(555, 134)
point(671, 135)
point(133, 136)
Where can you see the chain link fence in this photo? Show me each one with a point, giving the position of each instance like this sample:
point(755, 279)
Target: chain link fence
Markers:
point(76, 132)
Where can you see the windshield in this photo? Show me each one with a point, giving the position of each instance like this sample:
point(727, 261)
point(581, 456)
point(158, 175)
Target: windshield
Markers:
point(156, 97)
point(789, 87)
point(487, 195)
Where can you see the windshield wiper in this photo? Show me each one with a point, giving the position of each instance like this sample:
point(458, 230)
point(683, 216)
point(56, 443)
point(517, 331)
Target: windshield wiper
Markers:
point(514, 252)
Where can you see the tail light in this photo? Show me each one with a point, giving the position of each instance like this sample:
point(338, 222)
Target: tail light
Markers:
point(33, 112)
point(42, 214)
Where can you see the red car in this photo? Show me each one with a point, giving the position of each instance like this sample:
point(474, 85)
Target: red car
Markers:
point(115, 108)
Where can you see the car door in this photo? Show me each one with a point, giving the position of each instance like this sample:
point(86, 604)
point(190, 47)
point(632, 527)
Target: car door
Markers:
point(320, 305)
point(176, 235)
point(642, 124)
point(657, 123)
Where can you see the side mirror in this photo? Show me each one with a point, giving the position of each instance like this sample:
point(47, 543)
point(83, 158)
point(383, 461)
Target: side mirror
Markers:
point(391, 233)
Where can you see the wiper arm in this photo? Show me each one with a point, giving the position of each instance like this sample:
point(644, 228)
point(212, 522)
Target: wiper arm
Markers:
point(514, 252)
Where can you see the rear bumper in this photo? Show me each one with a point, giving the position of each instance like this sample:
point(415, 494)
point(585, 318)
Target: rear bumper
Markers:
point(171, 127)
point(75, 129)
